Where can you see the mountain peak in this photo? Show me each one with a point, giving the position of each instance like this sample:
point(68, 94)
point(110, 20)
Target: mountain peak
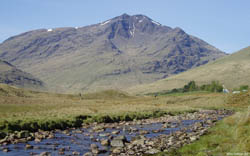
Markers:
point(139, 18)
point(122, 51)
point(125, 15)
point(127, 26)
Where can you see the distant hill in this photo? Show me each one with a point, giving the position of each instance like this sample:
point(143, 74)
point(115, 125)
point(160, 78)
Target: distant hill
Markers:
point(232, 71)
point(118, 53)
point(10, 75)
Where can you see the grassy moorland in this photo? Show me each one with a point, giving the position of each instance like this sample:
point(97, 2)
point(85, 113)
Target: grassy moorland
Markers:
point(231, 136)
point(21, 109)
point(28, 110)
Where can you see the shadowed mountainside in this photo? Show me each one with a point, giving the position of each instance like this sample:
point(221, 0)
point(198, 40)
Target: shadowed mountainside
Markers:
point(10, 75)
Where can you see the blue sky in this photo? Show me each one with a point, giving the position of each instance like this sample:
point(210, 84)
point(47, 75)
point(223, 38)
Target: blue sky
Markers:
point(222, 23)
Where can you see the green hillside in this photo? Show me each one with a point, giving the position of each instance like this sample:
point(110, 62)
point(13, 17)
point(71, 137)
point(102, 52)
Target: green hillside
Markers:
point(232, 71)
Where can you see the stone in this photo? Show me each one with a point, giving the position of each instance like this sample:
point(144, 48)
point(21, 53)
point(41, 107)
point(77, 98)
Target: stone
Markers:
point(139, 142)
point(121, 137)
point(75, 153)
point(115, 132)
point(61, 149)
point(142, 132)
point(131, 152)
point(93, 146)
point(117, 150)
point(45, 154)
point(132, 129)
point(95, 150)
point(209, 122)
point(28, 146)
point(37, 140)
point(117, 143)
point(4, 140)
point(61, 153)
point(105, 142)
point(6, 149)
point(98, 128)
point(88, 154)
point(152, 151)
point(23, 134)
point(104, 134)
point(23, 140)
point(156, 130)
point(193, 138)
point(51, 136)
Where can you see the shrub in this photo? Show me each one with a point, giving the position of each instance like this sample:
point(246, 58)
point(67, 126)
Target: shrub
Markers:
point(244, 87)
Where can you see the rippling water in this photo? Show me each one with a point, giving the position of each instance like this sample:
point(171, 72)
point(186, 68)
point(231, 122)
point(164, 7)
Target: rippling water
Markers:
point(80, 142)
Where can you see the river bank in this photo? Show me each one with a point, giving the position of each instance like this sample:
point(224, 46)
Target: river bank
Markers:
point(138, 137)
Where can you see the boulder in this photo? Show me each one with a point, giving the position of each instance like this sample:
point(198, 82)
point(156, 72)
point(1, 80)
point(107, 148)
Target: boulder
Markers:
point(23, 134)
point(118, 141)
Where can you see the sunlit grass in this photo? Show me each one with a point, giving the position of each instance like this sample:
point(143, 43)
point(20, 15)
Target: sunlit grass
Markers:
point(29, 106)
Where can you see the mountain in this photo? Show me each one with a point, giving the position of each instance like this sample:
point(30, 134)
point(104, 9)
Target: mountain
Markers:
point(117, 53)
point(232, 71)
point(10, 75)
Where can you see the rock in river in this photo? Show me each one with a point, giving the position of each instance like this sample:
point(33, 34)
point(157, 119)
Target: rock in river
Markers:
point(119, 141)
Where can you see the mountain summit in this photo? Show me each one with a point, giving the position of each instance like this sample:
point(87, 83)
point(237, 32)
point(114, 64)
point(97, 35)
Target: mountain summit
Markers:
point(117, 53)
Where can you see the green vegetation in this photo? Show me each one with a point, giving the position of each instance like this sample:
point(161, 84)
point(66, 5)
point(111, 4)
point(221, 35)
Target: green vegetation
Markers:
point(215, 86)
point(241, 88)
point(231, 135)
point(28, 110)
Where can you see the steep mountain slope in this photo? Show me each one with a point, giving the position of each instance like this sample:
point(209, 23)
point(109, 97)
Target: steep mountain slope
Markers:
point(120, 52)
point(10, 75)
point(232, 71)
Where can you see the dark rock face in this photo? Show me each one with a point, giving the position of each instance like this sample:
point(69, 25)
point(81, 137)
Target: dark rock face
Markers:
point(10, 75)
point(86, 58)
